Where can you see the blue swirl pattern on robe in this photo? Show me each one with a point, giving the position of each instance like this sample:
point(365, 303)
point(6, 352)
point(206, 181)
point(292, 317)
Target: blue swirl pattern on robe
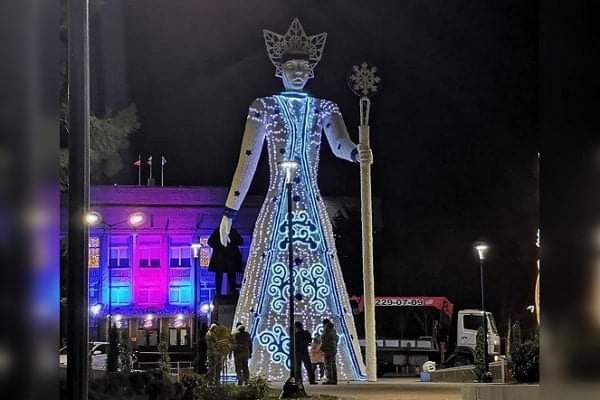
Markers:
point(294, 124)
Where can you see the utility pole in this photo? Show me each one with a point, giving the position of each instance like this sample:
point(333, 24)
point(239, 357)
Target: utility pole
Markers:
point(79, 182)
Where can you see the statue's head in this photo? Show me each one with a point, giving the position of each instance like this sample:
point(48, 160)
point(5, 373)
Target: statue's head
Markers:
point(294, 55)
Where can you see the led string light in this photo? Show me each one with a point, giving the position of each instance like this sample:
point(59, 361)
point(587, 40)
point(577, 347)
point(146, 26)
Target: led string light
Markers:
point(293, 126)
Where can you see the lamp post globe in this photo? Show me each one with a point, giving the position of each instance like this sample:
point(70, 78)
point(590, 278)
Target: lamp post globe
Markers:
point(136, 219)
point(92, 218)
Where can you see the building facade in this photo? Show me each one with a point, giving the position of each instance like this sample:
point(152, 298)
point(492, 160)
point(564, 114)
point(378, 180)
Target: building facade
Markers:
point(148, 260)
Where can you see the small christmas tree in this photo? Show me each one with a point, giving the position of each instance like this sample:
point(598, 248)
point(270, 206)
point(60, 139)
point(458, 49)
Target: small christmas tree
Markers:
point(125, 357)
point(165, 358)
point(480, 354)
point(112, 358)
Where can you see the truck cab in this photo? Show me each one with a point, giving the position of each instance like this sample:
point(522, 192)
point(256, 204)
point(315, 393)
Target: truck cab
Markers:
point(467, 325)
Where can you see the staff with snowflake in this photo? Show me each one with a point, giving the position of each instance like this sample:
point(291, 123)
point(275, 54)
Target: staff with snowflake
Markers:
point(363, 83)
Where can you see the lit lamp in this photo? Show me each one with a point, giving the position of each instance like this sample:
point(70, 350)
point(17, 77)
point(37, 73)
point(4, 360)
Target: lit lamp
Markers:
point(95, 310)
point(136, 219)
point(93, 218)
point(293, 388)
point(482, 248)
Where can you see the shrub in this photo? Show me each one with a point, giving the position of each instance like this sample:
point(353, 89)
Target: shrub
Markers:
point(257, 389)
point(526, 361)
point(160, 385)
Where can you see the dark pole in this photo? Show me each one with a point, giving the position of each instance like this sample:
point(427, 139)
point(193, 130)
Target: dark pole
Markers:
point(292, 389)
point(109, 282)
point(485, 331)
point(291, 282)
point(195, 333)
point(79, 133)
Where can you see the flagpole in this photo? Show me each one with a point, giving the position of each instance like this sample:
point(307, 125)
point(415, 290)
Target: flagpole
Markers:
point(162, 174)
point(150, 178)
point(139, 170)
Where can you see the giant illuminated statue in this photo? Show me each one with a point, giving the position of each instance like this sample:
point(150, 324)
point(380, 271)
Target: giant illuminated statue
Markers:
point(292, 122)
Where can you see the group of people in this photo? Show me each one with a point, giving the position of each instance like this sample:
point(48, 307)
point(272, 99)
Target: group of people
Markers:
point(314, 353)
point(220, 344)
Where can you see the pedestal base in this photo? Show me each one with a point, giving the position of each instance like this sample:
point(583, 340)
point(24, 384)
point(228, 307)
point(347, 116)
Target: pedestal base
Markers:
point(224, 309)
point(293, 390)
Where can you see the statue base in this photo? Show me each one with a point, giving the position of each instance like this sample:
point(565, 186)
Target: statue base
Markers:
point(224, 309)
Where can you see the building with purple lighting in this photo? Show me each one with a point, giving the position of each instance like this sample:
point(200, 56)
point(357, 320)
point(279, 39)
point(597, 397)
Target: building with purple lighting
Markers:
point(148, 259)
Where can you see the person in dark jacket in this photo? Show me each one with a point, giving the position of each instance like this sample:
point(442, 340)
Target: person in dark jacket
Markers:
point(242, 351)
point(225, 260)
point(329, 341)
point(303, 340)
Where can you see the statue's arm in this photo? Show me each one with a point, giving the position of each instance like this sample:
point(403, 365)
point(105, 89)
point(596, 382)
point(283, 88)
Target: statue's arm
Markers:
point(339, 138)
point(252, 142)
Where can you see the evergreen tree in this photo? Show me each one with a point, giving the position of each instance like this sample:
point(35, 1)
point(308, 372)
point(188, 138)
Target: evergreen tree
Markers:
point(125, 354)
point(165, 358)
point(112, 358)
point(516, 340)
point(480, 354)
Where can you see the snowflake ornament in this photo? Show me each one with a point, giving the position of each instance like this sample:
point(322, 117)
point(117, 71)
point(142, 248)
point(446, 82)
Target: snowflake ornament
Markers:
point(363, 80)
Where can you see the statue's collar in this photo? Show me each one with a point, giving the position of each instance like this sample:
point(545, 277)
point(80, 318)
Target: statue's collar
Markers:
point(294, 94)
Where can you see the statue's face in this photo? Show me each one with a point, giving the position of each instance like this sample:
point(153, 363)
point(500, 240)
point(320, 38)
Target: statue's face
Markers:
point(295, 74)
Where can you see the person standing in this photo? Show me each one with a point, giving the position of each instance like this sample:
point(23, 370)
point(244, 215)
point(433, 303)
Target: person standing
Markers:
point(329, 347)
point(242, 351)
point(218, 341)
point(303, 340)
point(316, 357)
point(213, 363)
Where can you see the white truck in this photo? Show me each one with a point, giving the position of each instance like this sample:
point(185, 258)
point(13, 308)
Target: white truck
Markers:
point(467, 326)
point(413, 330)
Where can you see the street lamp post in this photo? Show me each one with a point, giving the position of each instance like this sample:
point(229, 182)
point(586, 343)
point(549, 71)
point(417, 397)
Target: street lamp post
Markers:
point(196, 247)
point(293, 388)
point(482, 249)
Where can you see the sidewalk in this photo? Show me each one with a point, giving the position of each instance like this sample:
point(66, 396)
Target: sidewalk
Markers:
point(388, 389)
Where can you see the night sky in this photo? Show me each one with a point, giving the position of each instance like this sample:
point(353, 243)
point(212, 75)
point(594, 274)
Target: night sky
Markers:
point(454, 130)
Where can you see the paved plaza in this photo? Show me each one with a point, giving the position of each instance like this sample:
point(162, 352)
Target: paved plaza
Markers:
point(389, 389)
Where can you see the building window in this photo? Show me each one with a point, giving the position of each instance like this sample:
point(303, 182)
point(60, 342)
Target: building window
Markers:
point(148, 295)
point(120, 295)
point(179, 337)
point(205, 252)
point(180, 294)
point(180, 256)
point(119, 256)
point(94, 252)
point(149, 257)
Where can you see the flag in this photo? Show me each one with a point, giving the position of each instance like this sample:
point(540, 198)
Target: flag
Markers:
point(163, 161)
point(149, 160)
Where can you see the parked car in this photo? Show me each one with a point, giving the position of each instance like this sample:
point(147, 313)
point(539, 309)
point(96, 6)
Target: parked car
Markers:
point(98, 351)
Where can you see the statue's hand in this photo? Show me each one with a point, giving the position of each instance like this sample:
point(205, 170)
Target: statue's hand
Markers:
point(224, 230)
point(364, 154)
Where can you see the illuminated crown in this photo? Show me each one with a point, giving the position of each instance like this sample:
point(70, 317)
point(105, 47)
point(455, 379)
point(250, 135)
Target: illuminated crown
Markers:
point(295, 41)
